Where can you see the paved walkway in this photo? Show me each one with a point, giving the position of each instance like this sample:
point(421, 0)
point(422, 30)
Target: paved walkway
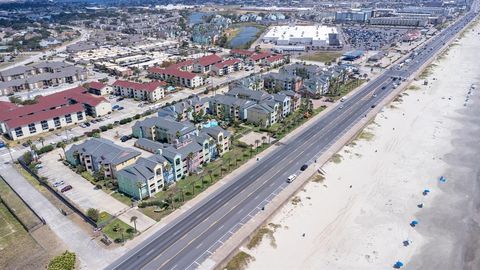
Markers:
point(90, 253)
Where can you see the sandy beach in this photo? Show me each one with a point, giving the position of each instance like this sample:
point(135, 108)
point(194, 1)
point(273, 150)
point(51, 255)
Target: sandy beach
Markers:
point(359, 216)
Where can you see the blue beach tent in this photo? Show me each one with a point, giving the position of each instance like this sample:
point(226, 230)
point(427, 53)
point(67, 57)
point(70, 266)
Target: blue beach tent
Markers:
point(398, 265)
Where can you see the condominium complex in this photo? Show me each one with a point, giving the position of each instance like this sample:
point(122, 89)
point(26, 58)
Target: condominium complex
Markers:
point(39, 76)
point(51, 112)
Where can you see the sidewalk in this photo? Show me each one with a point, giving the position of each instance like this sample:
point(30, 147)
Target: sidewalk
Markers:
point(91, 255)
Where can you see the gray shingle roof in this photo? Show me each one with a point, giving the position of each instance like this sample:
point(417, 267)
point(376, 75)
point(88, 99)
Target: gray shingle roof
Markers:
point(104, 151)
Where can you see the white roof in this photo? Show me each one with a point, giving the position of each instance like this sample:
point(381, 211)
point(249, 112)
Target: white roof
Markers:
point(313, 32)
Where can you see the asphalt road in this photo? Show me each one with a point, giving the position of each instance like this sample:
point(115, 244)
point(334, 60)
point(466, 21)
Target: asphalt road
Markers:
point(190, 239)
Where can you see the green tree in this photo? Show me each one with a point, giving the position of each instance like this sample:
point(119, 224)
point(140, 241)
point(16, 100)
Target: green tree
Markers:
point(93, 214)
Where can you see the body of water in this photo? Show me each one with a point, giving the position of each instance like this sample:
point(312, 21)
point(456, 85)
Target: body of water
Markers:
point(245, 35)
point(196, 17)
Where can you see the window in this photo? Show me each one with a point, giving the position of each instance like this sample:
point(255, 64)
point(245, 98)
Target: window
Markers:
point(44, 125)
point(68, 118)
point(56, 120)
point(177, 161)
point(80, 116)
point(19, 132)
point(32, 128)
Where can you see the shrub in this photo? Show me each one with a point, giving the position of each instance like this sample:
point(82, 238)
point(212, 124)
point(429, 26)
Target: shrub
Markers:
point(93, 214)
point(110, 126)
point(129, 230)
point(66, 261)
point(103, 128)
point(45, 149)
point(137, 116)
point(118, 240)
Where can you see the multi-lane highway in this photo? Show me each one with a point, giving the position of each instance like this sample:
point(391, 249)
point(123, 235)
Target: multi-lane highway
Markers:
point(191, 238)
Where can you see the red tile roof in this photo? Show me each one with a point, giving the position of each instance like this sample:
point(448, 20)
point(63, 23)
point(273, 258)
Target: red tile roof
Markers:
point(241, 52)
point(6, 106)
point(44, 115)
point(50, 106)
point(209, 60)
point(149, 87)
point(182, 64)
point(229, 62)
point(173, 72)
point(274, 58)
point(259, 56)
point(96, 85)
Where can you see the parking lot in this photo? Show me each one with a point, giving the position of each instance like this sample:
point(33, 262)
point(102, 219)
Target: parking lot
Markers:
point(370, 38)
point(84, 194)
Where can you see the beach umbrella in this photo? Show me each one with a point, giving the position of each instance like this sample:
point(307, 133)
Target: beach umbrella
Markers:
point(425, 192)
point(406, 243)
point(420, 205)
point(443, 179)
point(414, 223)
point(398, 265)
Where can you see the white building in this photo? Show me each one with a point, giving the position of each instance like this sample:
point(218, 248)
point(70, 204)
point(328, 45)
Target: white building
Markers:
point(313, 35)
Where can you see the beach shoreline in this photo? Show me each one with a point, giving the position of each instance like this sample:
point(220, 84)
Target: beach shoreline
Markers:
point(358, 218)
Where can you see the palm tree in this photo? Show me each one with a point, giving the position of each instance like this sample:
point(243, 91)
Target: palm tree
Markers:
point(139, 186)
point(62, 145)
point(264, 139)
point(210, 173)
point(190, 161)
point(167, 168)
point(8, 146)
point(251, 150)
point(257, 142)
point(133, 220)
point(42, 141)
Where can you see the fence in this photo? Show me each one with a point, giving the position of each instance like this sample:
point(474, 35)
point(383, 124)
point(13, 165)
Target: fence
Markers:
point(57, 195)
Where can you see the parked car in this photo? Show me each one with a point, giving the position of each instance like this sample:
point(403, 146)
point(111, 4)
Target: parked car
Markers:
point(2, 144)
point(66, 188)
point(58, 183)
point(304, 167)
point(120, 108)
point(116, 106)
point(291, 178)
point(120, 98)
point(87, 124)
point(83, 125)
point(373, 106)
point(125, 138)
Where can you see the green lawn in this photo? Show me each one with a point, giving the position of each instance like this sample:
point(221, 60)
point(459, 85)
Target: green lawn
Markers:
point(103, 218)
point(121, 197)
point(346, 88)
point(21, 210)
point(116, 228)
point(322, 56)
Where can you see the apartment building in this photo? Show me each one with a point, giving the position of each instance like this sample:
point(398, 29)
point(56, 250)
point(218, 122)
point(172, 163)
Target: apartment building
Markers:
point(101, 155)
point(273, 61)
point(100, 89)
point(204, 64)
point(176, 76)
point(151, 92)
point(144, 178)
point(163, 129)
point(51, 112)
point(227, 66)
point(257, 58)
point(39, 76)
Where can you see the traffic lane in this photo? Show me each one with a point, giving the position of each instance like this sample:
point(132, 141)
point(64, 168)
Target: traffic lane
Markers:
point(376, 83)
point(267, 183)
point(255, 199)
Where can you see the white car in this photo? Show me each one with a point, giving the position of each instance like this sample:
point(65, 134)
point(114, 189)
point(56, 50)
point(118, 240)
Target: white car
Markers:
point(59, 183)
point(291, 178)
